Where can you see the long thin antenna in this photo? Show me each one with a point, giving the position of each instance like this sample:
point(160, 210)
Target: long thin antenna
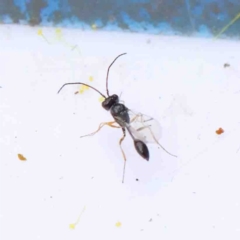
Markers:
point(81, 84)
point(109, 69)
point(124, 168)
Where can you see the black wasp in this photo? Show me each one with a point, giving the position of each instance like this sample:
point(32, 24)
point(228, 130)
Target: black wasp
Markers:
point(142, 128)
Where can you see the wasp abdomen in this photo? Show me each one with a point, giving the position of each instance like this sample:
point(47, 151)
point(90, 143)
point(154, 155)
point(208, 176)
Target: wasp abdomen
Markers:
point(142, 149)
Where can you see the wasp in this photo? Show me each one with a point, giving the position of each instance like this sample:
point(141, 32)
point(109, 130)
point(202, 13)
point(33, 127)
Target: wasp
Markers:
point(142, 128)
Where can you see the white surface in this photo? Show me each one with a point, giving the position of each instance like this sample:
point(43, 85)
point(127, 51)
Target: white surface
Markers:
point(180, 82)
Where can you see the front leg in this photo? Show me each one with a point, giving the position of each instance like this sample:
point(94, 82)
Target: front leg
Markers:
point(110, 124)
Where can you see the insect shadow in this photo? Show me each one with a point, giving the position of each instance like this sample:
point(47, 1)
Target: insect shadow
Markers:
point(142, 128)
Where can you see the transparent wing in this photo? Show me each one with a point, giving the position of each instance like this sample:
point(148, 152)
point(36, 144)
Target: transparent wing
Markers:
point(144, 127)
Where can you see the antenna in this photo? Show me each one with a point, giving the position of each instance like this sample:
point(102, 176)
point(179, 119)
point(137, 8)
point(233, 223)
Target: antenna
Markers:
point(124, 169)
point(81, 84)
point(109, 69)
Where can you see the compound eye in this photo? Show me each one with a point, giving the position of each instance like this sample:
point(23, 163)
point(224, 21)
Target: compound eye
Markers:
point(106, 105)
point(110, 101)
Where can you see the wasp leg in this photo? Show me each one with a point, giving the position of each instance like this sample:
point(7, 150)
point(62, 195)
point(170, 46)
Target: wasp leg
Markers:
point(120, 143)
point(110, 124)
point(124, 156)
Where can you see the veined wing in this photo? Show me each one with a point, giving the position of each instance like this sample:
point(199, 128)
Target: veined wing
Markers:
point(145, 128)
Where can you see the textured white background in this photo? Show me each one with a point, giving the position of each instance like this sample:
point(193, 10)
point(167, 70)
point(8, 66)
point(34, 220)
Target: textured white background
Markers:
point(179, 81)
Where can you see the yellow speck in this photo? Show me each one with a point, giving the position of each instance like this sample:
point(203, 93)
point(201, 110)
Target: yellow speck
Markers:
point(73, 225)
point(118, 224)
point(39, 32)
point(58, 32)
point(90, 78)
point(83, 88)
point(94, 26)
point(21, 157)
point(101, 99)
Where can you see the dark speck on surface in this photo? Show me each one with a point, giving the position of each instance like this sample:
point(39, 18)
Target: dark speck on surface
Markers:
point(226, 65)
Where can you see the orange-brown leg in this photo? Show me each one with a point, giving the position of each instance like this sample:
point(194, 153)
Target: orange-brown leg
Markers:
point(124, 156)
point(120, 142)
point(110, 124)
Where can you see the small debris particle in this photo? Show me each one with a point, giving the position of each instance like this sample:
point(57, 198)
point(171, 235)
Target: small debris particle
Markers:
point(118, 224)
point(83, 88)
point(39, 32)
point(72, 226)
point(58, 33)
point(148, 41)
point(101, 99)
point(226, 65)
point(90, 78)
point(219, 131)
point(94, 26)
point(150, 220)
point(137, 179)
point(21, 157)
point(76, 92)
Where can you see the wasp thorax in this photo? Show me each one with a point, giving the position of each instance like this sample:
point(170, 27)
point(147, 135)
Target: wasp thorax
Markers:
point(118, 110)
point(110, 101)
